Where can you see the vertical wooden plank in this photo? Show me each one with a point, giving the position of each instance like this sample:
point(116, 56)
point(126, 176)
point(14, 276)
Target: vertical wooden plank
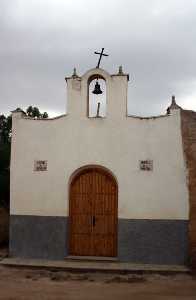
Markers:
point(93, 194)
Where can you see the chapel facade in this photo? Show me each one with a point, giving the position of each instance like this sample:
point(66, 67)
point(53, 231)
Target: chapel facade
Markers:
point(98, 182)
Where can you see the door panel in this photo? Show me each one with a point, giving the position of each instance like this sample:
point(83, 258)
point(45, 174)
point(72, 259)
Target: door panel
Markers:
point(93, 214)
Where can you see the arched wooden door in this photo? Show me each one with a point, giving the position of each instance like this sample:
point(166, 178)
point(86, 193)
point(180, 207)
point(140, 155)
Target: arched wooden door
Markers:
point(93, 213)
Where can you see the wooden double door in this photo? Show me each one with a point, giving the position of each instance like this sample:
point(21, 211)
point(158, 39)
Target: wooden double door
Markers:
point(93, 214)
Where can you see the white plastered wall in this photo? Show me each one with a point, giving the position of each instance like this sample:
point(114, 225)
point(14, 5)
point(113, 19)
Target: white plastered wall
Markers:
point(116, 142)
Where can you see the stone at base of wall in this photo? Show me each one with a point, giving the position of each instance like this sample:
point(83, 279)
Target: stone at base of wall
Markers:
point(139, 241)
point(38, 237)
point(153, 241)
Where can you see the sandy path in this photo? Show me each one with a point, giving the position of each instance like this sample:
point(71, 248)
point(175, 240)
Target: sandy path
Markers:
point(23, 284)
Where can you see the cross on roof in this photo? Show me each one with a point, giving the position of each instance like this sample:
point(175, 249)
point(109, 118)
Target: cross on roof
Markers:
point(101, 54)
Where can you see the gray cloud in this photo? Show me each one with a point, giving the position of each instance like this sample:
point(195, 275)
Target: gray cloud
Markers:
point(42, 40)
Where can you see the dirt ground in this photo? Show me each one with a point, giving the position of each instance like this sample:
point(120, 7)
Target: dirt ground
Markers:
point(26, 284)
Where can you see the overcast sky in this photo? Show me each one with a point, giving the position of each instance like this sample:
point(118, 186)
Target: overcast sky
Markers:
point(42, 40)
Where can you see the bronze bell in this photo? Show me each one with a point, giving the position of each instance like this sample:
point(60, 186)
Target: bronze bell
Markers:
point(97, 89)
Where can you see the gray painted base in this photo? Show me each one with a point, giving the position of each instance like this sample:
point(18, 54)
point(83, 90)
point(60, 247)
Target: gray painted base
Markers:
point(139, 241)
point(153, 241)
point(38, 237)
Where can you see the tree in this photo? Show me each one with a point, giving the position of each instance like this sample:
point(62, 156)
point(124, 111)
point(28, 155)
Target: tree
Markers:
point(4, 175)
point(4, 161)
point(5, 150)
point(30, 111)
point(34, 112)
point(45, 115)
point(5, 128)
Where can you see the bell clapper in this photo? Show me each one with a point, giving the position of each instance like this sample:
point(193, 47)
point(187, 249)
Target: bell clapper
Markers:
point(98, 109)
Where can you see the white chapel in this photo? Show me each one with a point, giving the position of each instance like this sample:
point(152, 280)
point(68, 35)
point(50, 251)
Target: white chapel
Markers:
point(99, 182)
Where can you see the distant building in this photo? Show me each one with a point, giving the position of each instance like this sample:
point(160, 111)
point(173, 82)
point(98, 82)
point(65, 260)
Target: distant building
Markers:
point(102, 183)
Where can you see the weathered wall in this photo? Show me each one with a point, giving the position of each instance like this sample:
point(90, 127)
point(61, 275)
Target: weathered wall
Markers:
point(38, 237)
point(153, 208)
point(189, 143)
point(139, 241)
point(153, 241)
point(116, 142)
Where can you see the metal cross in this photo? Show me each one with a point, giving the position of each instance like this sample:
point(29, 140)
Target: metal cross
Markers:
point(101, 54)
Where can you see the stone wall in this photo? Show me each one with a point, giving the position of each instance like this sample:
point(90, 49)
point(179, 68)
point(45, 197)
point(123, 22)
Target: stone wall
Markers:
point(189, 144)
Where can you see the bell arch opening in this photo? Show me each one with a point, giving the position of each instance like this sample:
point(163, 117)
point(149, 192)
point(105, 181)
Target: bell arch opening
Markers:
point(93, 212)
point(96, 101)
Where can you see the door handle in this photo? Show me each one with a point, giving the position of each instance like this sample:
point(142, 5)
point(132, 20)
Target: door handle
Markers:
point(93, 221)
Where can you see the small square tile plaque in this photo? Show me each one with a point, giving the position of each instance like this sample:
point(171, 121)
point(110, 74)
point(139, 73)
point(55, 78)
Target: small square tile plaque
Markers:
point(40, 165)
point(146, 165)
